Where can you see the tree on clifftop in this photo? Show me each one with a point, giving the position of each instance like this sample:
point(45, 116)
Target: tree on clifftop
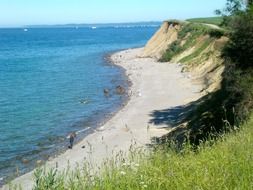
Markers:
point(249, 2)
point(238, 18)
point(240, 48)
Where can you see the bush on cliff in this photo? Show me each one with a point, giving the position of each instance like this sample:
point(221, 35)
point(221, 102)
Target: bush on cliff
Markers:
point(238, 55)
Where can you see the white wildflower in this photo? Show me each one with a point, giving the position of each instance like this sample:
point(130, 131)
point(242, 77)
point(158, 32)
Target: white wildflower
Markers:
point(123, 173)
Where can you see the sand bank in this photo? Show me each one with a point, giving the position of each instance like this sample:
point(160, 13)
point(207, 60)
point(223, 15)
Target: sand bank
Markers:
point(155, 87)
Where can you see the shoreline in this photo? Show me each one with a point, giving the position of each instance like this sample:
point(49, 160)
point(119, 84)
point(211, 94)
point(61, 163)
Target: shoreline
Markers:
point(129, 123)
point(97, 122)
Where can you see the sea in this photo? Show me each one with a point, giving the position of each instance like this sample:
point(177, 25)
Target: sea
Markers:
point(51, 84)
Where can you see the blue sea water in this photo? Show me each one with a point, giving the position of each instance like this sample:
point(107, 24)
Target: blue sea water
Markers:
point(51, 84)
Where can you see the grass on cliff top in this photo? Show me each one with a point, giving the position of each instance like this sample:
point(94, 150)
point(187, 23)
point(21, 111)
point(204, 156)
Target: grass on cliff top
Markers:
point(223, 164)
point(189, 33)
point(208, 20)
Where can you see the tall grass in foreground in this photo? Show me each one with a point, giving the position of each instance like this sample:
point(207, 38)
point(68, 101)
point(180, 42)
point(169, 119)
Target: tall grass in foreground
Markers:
point(223, 164)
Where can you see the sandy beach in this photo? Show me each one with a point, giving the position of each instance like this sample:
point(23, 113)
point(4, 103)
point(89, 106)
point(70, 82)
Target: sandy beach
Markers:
point(155, 87)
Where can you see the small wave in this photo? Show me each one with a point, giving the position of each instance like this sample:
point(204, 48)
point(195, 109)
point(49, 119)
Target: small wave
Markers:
point(81, 131)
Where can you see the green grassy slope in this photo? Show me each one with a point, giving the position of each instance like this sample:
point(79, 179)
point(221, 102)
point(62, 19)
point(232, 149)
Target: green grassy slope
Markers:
point(193, 35)
point(208, 20)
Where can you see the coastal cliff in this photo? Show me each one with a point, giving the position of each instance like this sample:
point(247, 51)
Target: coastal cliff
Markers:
point(196, 46)
point(158, 44)
point(202, 94)
point(169, 101)
point(202, 51)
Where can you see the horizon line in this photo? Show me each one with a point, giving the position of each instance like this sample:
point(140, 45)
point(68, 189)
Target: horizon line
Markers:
point(77, 24)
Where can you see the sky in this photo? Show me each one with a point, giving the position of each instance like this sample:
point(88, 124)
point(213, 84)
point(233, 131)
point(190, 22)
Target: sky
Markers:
point(37, 12)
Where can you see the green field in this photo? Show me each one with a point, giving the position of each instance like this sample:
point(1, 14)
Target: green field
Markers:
point(208, 20)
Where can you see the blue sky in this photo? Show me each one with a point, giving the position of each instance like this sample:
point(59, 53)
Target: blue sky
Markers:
point(27, 12)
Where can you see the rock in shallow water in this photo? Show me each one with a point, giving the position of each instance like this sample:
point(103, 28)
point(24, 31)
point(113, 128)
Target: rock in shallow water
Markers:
point(106, 91)
point(120, 90)
point(25, 161)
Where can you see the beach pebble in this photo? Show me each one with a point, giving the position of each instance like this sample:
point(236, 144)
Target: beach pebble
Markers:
point(101, 128)
point(126, 129)
point(25, 161)
point(39, 162)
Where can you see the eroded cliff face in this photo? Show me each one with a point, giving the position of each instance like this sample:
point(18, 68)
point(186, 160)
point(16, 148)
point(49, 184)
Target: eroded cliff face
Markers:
point(210, 68)
point(200, 54)
point(159, 43)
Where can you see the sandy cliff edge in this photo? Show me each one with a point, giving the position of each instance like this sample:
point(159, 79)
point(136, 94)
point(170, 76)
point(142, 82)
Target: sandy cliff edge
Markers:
point(160, 41)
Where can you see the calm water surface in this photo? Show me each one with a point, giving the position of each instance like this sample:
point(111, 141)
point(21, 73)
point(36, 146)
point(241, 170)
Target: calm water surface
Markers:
point(51, 83)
